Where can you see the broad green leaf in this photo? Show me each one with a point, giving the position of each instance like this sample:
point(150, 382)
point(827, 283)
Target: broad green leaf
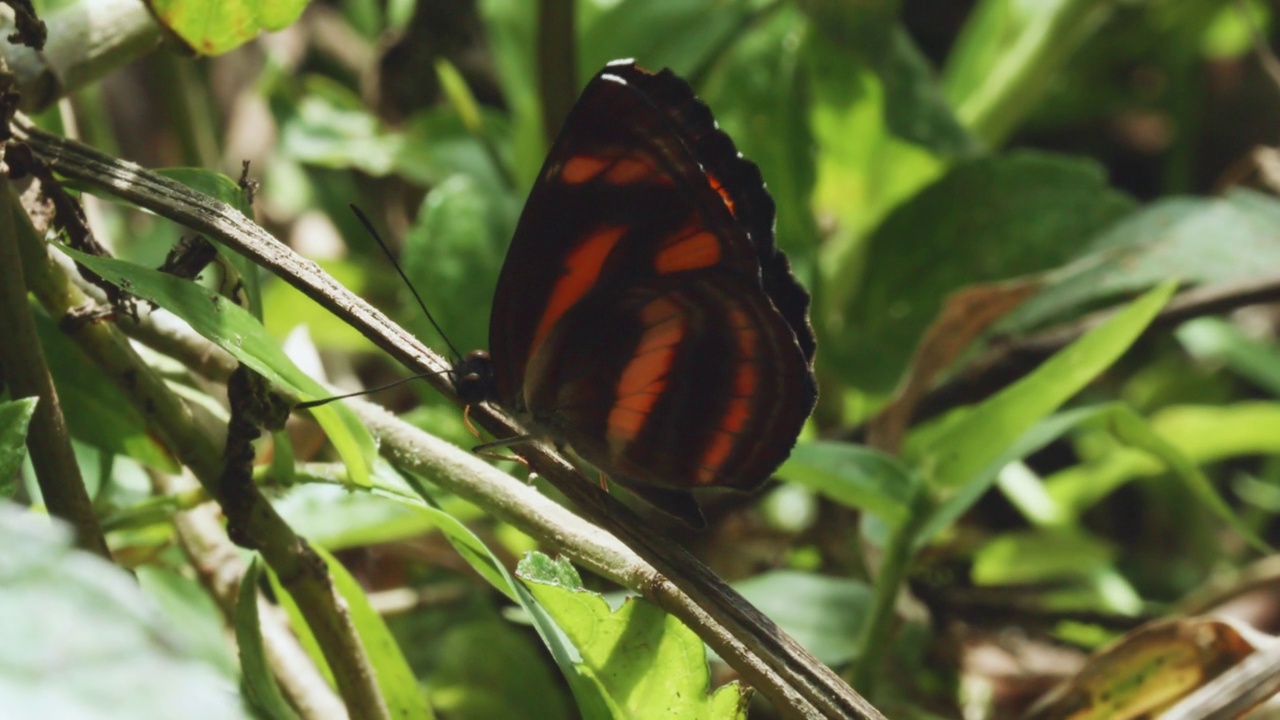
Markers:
point(452, 255)
point(1197, 240)
point(870, 33)
point(852, 475)
point(987, 220)
point(824, 614)
point(683, 35)
point(15, 415)
point(964, 448)
point(213, 27)
point(260, 685)
point(236, 331)
point(80, 640)
point(399, 686)
point(643, 662)
point(193, 614)
point(491, 670)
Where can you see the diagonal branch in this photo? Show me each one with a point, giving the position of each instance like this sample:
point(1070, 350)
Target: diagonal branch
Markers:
point(798, 684)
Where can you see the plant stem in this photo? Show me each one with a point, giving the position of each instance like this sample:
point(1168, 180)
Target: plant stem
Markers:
point(27, 375)
point(877, 630)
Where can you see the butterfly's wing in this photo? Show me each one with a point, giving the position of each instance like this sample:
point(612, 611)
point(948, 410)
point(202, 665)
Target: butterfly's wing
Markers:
point(645, 224)
point(677, 382)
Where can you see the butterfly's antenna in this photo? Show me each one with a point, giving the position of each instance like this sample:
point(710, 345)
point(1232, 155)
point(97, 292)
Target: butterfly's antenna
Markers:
point(388, 386)
point(386, 251)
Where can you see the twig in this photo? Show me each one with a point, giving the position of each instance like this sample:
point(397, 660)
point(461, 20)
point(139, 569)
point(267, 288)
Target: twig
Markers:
point(799, 684)
point(220, 568)
point(24, 371)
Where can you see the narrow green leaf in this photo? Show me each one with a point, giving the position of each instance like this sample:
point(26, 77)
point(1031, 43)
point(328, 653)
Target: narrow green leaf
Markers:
point(239, 333)
point(1130, 428)
point(400, 689)
point(260, 685)
point(965, 447)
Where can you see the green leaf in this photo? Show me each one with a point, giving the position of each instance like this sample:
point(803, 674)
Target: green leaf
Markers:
point(192, 613)
point(959, 451)
point(81, 641)
point(1040, 556)
point(914, 106)
point(995, 74)
point(493, 669)
point(452, 255)
point(399, 686)
point(851, 475)
point(642, 662)
point(1197, 240)
point(987, 220)
point(97, 411)
point(260, 685)
point(679, 34)
point(213, 27)
point(236, 331)
point(1209, 433)
point(1215, 340)
point(824, 614)
point(1039, 436)
point(15, 416)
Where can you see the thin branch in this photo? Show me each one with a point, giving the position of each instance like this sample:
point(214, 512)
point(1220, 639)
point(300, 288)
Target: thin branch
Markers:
point(798, 684)
point(24, 370)
point(220, 568)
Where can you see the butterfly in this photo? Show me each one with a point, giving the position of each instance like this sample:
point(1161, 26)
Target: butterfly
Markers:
point(644, 317)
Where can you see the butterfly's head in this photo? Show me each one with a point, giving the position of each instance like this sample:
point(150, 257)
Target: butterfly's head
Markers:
point(473, 377)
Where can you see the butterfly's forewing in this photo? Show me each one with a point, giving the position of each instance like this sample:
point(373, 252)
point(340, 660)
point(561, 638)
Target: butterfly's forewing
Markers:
point(643, 314)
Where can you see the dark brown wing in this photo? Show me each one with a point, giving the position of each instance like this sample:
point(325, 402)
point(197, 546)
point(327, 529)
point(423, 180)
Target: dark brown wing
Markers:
point(645, 205)
point(684, 381)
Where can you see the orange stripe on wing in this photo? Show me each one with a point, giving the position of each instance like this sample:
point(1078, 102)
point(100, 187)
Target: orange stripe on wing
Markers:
point(581, 270)
point(583, 168)
point(698, 250)
point(746, 378)
point(631, 169)
point(714, 457)
point(644, 378)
